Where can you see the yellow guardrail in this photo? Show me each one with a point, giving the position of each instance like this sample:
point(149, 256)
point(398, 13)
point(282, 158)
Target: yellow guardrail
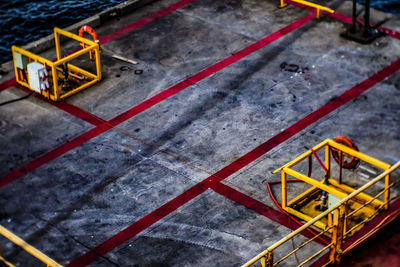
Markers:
point(60, 67)
point(30, 249)
point(306, 3)
point(338, 215)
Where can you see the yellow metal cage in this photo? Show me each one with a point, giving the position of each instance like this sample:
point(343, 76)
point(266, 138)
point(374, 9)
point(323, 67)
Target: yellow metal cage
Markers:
point(304, 205)
point(60, 71)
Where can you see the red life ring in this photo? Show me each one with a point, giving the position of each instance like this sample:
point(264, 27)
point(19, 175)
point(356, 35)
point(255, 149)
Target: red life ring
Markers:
point(336, 155)
point(89, 30)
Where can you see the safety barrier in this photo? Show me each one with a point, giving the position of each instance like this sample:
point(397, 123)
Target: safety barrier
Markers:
point(337, 229)
point(62, 79)
point(31, 250)
point(317, 7)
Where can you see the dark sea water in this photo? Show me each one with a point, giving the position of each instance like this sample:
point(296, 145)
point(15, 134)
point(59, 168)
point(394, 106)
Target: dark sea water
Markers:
point(24, 21)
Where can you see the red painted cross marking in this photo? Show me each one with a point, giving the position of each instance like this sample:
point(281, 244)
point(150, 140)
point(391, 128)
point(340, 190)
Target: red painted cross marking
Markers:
point(235, 166)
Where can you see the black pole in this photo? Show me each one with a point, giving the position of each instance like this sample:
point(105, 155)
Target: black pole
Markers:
point(354, 29)
point(366, 19)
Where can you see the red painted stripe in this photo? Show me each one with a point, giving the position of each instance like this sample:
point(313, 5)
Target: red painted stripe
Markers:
point(349, 20)
point(144, 21)
point(52, 154)
point(257, 152)
point(69, 108)
point(209, 71)
point(258, 207)
point(308, 120)
point(7, 84)
point(139, 225)
point(15, 174)
point(346, 19)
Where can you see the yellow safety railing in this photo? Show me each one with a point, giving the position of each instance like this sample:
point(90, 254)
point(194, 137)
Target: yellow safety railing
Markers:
point(58, 69)
point(31, 250)
point(338, 216)
point(317, 7)
point(332, 186)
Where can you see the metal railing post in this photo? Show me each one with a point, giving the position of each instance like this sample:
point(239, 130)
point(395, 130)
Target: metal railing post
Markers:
point(335, 253)
point(387, 192)
point(284, 191)
point(282, 4)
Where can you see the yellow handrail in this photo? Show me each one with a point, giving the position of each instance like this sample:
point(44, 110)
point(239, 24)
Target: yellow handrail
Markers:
point(30, 249)
point(306, 3)
point(322, 215)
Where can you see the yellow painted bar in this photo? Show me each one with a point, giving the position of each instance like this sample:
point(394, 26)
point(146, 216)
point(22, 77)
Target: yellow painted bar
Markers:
point(32, 56)
point(75, 55)
point(55, 84)
point(15, 66)
point(322, 215)
point(327, 9)
point(302, 195)
point(58, 45)
point(6, 262)
point(303, 156)
point(314, 182)
point(284, 191)
point(377, 203)
point(282, 4)
point(80, 88)
point(307, 218)
point(75, 37)
point(98, 66)
point(33, 251)
point(328, 160)
point(387, 192)
point(82, 71)
point(366, 158)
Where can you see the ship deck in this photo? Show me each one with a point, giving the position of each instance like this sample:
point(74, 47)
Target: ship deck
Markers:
point(167, 162)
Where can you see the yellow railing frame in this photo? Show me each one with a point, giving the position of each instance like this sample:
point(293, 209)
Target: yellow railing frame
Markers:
point(268, 253)
point(306, 3)
point(89, 47)
point(30, 249)
point(327, 144)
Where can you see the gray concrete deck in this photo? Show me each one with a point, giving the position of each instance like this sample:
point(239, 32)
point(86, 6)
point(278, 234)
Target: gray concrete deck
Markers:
point(137, 175)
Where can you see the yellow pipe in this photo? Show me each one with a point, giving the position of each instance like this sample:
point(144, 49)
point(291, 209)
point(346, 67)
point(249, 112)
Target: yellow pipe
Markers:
point(315, 183)
point(15, 66)
point(55, 83)
point(303, 156)
point(6, 262)
point(306, 218)
point(318, 7)
point(98, 66)
point(75, 55)
point(377, 203)
point(328, 160)
point(80, 88)
point(303, 195)
point(366, 158)
point(58, 46)
point(33, 251)
point(82, 71)
point(387, 192)
point(282, 4)
point(75, 37)
point(32, 56)
point(322, 215)
point(284, 191)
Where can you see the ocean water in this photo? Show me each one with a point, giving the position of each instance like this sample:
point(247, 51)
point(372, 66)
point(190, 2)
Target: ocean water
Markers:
point(24, 21)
